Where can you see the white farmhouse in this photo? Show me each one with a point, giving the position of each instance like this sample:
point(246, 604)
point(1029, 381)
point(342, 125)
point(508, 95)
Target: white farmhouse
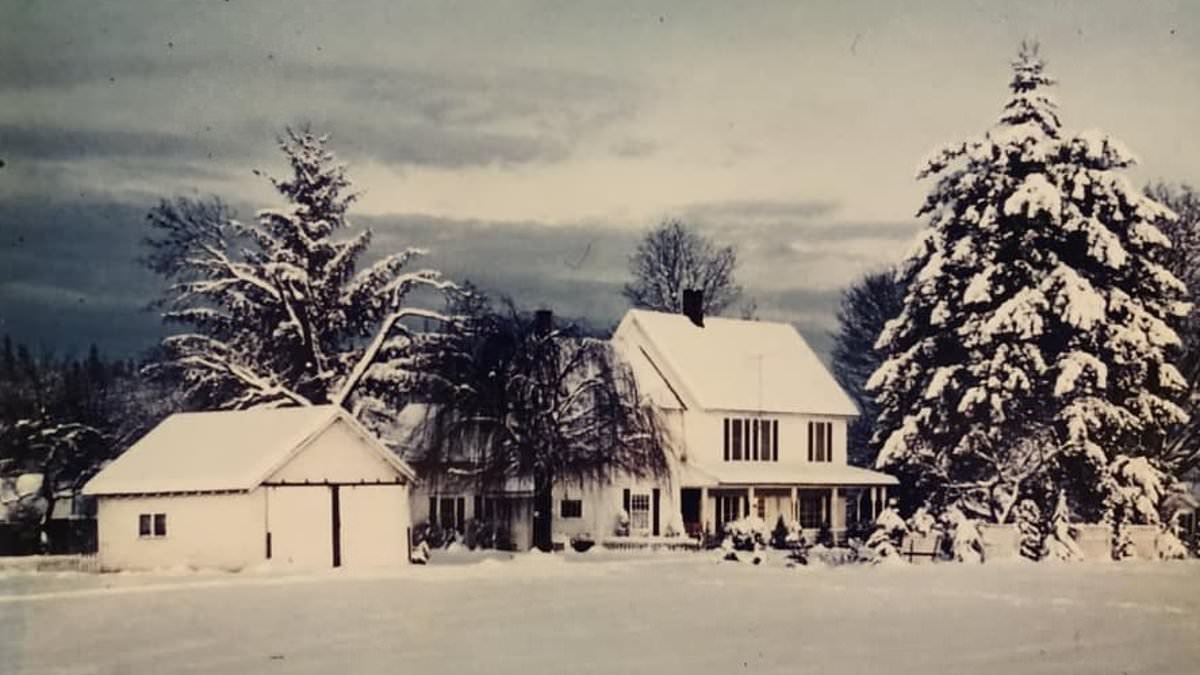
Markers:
point(756, 424)
point(297, 486)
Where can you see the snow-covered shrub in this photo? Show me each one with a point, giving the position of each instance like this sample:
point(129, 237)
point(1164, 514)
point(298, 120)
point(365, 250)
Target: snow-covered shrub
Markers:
point(622, 527)
point(1060, 539)
point(1029, 524)
point(825, 535)
point(964, 541)
point(1167, 545)
point(922, 522)
point(432, 534)
point(888, 536)
point(420, 554)
point(1141, 486)
point(779, 535)
point(748, 533)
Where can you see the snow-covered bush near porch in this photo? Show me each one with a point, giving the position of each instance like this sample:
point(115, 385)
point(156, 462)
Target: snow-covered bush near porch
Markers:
point(747, 533)
point(887, 538)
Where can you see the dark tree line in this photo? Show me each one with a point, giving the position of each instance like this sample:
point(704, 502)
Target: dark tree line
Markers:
point(62, 418)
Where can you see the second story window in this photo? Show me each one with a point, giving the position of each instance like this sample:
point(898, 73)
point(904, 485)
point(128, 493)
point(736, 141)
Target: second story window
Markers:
point(820, 441)
point(751, 440)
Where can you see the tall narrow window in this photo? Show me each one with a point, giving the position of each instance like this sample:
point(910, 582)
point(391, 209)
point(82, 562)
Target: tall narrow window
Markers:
point(746, 440)
point(765, 433)
point(144, 525)
point(160, 524)
point(820, 441)
point(639, 512)
point(737, 440)
point(775, 440)
point(726, 439)
point(755, 443)
point(810, 441)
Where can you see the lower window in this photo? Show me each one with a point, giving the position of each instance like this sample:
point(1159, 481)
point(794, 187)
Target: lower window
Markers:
point(572, 508)
point(639, 512)
point(810, 511)
point(152, 525)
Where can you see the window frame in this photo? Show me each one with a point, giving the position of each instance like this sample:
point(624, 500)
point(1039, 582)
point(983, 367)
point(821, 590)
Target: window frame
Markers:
point(576, 508)
point(635, 512)
point(152, 525)
point(750, 439)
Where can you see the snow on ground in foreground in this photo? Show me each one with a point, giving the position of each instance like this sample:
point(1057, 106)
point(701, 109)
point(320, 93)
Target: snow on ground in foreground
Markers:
point(610, 613)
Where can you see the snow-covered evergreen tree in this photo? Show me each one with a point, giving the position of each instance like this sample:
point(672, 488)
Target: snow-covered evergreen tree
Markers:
point(1060, 540)
point(1034, 343)
point(276, 311)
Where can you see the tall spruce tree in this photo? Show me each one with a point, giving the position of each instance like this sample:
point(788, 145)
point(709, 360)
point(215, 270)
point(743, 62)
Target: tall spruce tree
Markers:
point(1033, 350)
point(275, 310)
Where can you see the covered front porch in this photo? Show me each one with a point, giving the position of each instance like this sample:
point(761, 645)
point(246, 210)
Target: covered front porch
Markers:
point(815, 497)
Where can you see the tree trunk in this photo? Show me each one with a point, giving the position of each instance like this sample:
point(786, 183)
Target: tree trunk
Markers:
point(543, 511)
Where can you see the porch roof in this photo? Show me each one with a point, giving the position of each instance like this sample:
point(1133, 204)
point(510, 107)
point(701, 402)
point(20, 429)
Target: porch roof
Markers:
point(755, 473)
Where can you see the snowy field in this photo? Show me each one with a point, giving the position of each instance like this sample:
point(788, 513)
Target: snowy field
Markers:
point(611, 614)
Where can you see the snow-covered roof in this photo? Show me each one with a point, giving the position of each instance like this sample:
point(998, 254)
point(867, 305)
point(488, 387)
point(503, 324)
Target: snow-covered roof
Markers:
point(222, 451)
point(733, 364)
point(773, 473)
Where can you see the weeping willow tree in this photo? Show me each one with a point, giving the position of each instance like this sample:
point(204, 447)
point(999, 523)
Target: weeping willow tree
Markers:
point(533, 404)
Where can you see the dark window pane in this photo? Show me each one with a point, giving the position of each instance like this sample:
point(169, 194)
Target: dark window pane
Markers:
point(726, 439)
point(737, 440)
point(160, 524)
point(775, 439)
point(144, 525)
point(572, 508)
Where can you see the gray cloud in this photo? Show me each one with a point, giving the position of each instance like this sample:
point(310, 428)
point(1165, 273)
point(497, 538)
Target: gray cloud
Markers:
point(44, 142)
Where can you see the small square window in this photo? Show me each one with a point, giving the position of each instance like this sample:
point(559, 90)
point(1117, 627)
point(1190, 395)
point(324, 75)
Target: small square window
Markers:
point(144, 525)
point(572, 508)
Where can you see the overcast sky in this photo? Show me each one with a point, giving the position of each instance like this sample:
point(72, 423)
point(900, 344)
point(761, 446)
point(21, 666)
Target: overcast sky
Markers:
point(528, 144)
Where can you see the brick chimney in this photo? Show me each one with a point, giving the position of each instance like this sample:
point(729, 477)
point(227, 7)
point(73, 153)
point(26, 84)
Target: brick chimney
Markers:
point(693, 305)
point(543, 321)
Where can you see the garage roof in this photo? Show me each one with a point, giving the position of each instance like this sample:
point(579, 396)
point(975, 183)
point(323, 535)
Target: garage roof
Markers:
point(223, 451)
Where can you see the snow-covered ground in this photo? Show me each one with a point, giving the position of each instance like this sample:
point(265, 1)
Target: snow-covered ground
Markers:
point(610, 613)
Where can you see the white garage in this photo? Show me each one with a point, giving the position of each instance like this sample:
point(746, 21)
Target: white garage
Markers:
point(304, 487)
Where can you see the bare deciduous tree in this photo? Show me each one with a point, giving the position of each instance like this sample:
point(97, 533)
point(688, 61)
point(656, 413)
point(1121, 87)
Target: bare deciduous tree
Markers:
point(673, 257)
point(867, 305)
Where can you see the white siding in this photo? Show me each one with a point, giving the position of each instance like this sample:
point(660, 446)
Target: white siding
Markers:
point(223, 531)
point(337, 455)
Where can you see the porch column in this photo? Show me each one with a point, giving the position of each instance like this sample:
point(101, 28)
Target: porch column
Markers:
point(751, 506)
point(883, 495)
point(795, 507)
point(837, 519)
point(704, 516)
point(825, 507)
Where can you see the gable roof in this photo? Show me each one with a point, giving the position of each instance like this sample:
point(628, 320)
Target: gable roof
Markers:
point(733, 364)
point(224, 450)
